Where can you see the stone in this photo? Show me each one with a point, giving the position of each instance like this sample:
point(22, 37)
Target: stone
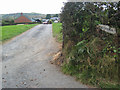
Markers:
point(24, 83)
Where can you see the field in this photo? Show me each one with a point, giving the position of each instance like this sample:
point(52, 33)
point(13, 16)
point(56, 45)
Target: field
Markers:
point(57, 31)
point(11, 31)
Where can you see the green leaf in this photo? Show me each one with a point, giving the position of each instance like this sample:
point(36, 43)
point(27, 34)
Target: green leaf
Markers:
point(115, 55)
point(83, 29)
point(115, 50)
point(81, 50)
point(81, 42)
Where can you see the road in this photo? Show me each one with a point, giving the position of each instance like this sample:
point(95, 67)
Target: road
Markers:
point(26, 61)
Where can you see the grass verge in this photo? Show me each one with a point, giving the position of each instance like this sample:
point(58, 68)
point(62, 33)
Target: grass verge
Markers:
point(11, 31)
point(57, 31)
point(85, 78)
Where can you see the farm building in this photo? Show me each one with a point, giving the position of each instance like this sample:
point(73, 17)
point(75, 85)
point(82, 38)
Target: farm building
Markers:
point(22, 19)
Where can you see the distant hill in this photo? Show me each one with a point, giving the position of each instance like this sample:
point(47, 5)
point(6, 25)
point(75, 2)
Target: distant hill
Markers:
point(13, 16)
point(16, 15)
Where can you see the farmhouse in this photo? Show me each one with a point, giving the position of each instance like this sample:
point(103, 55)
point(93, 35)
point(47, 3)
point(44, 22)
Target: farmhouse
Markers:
point(22, 19)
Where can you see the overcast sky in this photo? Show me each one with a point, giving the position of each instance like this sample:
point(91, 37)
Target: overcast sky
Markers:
point(28, 6)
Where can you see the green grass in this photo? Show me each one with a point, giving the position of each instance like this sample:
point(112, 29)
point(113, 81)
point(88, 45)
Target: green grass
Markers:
point(90, 72)
point(85, 78)
point(11, 31)
point(109, 85)
point(57, 31)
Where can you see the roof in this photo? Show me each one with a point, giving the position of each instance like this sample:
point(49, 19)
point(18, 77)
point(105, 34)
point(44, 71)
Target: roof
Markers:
point(24, 16)
point(22, 19)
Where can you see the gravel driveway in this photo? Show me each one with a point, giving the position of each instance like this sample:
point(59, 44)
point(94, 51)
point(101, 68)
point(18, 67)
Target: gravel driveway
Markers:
point(26, 61)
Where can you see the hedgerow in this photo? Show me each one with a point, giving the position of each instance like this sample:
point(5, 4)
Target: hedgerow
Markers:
point(88, 55)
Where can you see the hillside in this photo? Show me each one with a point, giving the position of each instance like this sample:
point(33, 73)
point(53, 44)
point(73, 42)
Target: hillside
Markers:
point(16, 15)
point(29, 15)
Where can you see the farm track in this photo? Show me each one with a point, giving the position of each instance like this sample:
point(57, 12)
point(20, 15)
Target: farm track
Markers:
point(26, 61)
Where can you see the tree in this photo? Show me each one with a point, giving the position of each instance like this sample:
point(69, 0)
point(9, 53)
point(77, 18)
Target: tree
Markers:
point(39, 21)
point(48, 16)
point(56, 15)
point(8, 22)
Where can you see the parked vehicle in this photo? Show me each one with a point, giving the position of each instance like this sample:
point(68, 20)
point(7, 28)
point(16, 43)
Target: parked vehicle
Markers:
point(55, 21)
point(45, 22)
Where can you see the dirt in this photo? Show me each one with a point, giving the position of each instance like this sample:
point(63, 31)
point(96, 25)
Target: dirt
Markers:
point(26, 61)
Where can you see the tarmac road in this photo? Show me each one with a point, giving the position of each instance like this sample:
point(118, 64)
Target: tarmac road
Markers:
point(26, 61)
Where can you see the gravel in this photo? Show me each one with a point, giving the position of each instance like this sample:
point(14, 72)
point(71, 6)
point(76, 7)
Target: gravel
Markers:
point(28, 61)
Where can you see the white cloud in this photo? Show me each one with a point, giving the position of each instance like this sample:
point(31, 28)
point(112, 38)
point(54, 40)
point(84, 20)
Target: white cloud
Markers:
point(27, 6)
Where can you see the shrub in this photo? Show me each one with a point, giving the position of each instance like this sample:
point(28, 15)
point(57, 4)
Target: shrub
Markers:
point(87, 54)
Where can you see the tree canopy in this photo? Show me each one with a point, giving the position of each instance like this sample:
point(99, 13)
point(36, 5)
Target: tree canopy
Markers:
point(48, 16)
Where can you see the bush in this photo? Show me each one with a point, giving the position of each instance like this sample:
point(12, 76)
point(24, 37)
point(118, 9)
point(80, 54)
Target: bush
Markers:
point(8, 22)
point(87, 54)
